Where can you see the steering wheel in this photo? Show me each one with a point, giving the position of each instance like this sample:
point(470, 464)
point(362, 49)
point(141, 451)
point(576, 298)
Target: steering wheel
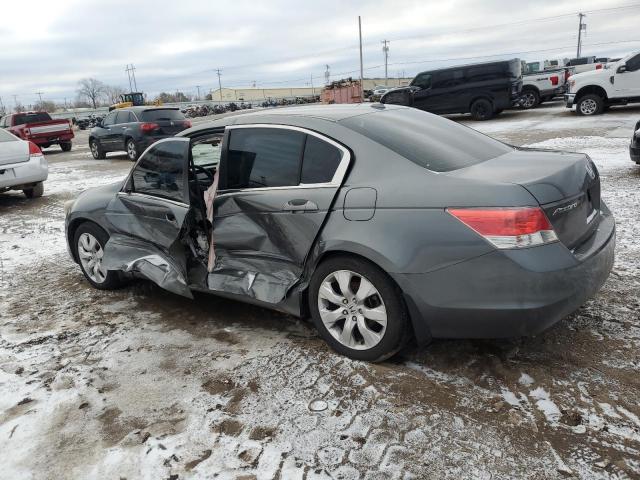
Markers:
point(208, 173)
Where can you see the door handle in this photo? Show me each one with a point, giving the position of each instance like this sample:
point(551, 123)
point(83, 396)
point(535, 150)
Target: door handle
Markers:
point(300, 205)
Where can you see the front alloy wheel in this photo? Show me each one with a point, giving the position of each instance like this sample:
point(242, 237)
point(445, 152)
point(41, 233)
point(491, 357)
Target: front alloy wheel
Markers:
point(132, 150)
point(90, 254)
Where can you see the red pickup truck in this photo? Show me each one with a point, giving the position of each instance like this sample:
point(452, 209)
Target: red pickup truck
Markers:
point(39, 128)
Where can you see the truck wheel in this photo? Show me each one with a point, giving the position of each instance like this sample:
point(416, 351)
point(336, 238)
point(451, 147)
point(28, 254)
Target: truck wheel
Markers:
point(357, 309)
point(96, 149)
point(529, 99)
point(481, 109)
point(34, 192)
point(65, 146)
point(590, 105)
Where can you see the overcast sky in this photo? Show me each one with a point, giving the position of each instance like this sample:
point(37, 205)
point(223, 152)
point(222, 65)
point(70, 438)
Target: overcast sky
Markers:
point(49, 45)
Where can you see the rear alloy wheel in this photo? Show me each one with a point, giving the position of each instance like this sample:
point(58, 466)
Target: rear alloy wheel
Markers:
point(590, 105)
point(529, 99)
point(34, 192)
point(481, 109)
point(132, 150)
point(89, 242)
point(96, 150)
point(65, 146)
point(357, 309)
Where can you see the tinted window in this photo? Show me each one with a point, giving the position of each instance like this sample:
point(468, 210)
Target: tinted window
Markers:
point(422, 80)
point(320, 162)
point(633, 63)
point(447, 78)
point(483, 73)
point(428, 140)
point(109, 119)
point(207, 152)
point(124, 117)
point(21, 118)
point(6, 136)
point(160, 171)
point(161, 114)
point(263, 157)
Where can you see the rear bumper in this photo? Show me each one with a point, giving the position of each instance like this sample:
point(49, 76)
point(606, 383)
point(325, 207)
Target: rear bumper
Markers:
point(16, 175)
point(53, 138)
point(511, 293)
point(569, 99)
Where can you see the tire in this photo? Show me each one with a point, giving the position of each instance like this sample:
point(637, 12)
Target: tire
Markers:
point(65, 146)
point(96, 149)
point(590, 104)
point(379, 342)
point(529, 99)
point(481, 109)
point(132, 150)
point(34, 192)
point(98, 278)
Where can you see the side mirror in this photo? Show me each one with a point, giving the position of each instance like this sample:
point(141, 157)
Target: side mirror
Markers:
point(622, 69)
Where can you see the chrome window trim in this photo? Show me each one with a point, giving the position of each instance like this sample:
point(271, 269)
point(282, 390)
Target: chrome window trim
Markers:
point(335, 182)
point(152, 197)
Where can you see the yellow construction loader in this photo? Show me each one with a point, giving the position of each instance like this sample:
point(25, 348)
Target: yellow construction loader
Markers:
point(133, 99)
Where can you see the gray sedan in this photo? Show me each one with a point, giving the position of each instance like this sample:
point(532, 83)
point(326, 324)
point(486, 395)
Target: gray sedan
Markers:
point(380, 222)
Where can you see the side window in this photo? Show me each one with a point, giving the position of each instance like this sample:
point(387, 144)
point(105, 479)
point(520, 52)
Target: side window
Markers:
point(422, 80)
point(109, 119)
point(263, 157)
point(123, 117)
point(447, 78)
point(633, 63)
point(320, 161)
point(161, 171)
point(484, 73)
point(207, 152)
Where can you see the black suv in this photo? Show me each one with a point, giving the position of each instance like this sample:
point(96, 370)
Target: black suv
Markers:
point(482, 89)
point(133, 129)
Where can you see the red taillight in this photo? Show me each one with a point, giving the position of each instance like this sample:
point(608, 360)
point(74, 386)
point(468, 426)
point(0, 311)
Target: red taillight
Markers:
point(148, 127)
point(599, 66)
point(186, 124)
point(34, 150)
point(508, 227)
point(554, 80)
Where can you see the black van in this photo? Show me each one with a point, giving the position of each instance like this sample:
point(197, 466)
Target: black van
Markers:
point(482, 89)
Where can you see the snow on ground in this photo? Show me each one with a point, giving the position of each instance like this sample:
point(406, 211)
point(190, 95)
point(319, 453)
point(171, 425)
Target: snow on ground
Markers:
point(138, 383)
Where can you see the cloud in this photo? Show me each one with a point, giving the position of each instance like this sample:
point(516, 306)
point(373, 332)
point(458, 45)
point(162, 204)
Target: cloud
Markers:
point(49, 46)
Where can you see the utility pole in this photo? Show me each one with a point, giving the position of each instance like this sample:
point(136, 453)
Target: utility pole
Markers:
point(219, 83)
point(1, 106)
point(313, 92)
point(385, 52)
point(129, 75)
point(40, 95)
point(327, 75)
point(581, 27)
point(361, 68)
point(198, 87)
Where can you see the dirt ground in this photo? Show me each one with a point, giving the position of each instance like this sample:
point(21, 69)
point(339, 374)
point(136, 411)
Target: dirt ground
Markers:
point(140, 383)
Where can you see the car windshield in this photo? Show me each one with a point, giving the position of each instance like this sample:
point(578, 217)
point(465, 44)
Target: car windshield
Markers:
point(6, 136)
point(22, 118)
point(162, 114)
point(430, 141)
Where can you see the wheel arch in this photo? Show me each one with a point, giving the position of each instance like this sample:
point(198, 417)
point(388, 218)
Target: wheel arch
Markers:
point(72, 228)
point(591, 89)
point(531, 87)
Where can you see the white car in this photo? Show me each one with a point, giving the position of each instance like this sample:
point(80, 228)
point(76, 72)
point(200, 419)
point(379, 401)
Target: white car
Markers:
point(22, 166)
point(617, 84)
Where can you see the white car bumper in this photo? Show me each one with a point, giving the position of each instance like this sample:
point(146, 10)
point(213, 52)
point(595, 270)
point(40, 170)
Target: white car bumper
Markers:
point(15, 175)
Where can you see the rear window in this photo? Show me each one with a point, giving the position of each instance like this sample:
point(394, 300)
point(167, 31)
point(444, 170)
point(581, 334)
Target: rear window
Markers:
point(6, 136)
point(162, 114)
point(430, 141)
point(21, 118)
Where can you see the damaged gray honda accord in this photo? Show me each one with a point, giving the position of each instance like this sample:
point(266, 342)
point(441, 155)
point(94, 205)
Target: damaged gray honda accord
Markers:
point(381, 222)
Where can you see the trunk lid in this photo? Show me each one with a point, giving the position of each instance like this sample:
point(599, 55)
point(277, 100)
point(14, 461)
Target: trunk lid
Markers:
point(13, 151)
point(566, 185)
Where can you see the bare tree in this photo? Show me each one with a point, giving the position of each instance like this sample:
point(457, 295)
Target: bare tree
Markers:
point(46, 106)
point(91, 89)
point(113, 93)
point(19, 108)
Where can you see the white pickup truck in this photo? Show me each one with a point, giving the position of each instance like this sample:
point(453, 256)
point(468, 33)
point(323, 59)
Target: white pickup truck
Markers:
point(595, 91)
point(541, 86)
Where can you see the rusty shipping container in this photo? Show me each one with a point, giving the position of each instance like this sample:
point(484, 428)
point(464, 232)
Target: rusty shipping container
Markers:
point(342, 93)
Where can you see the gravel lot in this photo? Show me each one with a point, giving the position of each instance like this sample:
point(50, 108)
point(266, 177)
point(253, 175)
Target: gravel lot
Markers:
point(140, 383)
